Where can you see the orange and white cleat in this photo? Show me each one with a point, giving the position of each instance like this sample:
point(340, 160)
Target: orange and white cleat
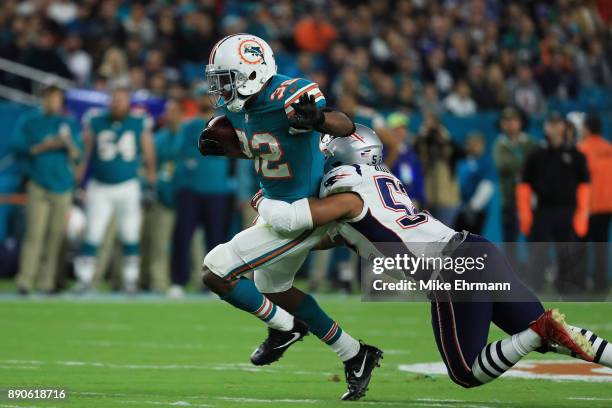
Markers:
point(551, 327)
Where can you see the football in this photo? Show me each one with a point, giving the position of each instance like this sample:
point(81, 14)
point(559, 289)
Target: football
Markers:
point(220, 130)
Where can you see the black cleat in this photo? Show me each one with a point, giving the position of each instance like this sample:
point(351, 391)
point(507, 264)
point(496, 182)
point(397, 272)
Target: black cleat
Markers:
point(358, 371)
point(277, 343)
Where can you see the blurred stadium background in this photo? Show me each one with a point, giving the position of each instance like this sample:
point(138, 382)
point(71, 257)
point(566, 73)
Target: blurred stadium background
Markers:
point(445, 83)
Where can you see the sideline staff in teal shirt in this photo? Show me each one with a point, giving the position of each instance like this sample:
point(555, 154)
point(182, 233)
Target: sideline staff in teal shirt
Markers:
point(49, 144)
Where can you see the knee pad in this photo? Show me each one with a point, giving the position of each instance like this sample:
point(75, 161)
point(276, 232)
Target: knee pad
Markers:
point(219, 261)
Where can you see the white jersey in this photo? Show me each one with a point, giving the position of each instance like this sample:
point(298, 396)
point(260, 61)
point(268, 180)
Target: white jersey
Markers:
point(388, 215)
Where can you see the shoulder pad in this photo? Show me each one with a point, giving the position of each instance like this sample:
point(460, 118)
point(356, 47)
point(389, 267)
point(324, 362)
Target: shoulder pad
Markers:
point(290, 90)
point(341, 179)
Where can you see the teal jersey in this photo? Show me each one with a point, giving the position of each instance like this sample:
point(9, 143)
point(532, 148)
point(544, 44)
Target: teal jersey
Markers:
point(167, 144)
point(202, 174)
point(116, 152)
point(288, 163)
point(53, 169)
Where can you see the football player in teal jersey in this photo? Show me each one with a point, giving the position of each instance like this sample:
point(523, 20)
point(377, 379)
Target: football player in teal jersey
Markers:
point(115, 142)
point(278, 121)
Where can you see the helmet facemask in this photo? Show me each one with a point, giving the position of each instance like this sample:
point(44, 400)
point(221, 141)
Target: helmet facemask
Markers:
point(223, 87)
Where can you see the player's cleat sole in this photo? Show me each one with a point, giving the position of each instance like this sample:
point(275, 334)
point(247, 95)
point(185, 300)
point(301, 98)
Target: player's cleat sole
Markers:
point(358, 371)
point(551, 327)
point(277, 342)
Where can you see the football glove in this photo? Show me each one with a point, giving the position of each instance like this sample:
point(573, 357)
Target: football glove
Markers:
point(307, 116)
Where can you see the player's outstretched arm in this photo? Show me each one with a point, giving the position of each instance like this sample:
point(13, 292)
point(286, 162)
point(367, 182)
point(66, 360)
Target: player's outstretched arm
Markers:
point(308, 116)
point(307, 212)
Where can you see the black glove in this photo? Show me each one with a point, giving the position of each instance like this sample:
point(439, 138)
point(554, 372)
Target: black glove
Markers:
point(208, 146)
point(307, 115)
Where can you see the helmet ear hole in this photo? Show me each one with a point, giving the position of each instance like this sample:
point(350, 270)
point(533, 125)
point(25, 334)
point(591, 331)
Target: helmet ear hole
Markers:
point(252, 76)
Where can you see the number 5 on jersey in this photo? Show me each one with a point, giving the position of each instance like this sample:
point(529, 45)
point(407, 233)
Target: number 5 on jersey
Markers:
point(394, 197)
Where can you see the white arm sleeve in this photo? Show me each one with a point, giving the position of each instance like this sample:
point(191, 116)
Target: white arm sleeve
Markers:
point(284, 217)
point(482, 195)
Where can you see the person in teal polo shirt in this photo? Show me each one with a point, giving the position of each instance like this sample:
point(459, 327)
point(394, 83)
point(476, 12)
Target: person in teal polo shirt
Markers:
point(159, 218)
point(204, 195)
point(49, 144)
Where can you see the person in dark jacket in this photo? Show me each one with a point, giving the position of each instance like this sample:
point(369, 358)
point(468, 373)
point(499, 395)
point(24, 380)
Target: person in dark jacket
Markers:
point(557, 175)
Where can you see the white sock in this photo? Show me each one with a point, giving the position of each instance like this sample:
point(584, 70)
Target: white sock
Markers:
point(130, 271)
point(603, 349)
point(85, 268)
point(281, 319)
point(346, 347)
point(498, 357)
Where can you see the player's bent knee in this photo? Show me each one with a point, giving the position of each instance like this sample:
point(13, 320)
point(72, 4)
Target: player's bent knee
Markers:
point(215, 283)
point(465, 380)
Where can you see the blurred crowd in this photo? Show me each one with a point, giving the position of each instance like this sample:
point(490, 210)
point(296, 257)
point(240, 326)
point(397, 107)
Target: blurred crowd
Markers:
point(382, 62)
point(444, 55)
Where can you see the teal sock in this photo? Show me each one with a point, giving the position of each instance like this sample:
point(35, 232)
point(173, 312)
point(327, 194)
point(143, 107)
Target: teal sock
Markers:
point(319, 323)
point(245, 296)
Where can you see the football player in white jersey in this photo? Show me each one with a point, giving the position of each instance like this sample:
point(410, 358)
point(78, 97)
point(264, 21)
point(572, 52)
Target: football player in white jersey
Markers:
point(370, 206)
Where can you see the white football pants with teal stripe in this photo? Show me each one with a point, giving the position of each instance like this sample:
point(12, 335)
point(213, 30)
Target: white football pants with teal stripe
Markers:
point(275, 258)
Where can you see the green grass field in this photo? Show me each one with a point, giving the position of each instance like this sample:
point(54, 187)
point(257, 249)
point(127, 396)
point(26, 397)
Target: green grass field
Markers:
point(109, 352)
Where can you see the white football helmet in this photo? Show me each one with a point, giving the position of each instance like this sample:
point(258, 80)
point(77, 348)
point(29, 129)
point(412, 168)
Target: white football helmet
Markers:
point(362, 147)
point(239, 66)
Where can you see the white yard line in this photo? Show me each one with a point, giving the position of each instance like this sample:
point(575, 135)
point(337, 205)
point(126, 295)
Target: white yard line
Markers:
point(589, 399)
point(35, 364)
point(166, 403)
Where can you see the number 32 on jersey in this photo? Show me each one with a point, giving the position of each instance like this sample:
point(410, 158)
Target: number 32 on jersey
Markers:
point(269, 154)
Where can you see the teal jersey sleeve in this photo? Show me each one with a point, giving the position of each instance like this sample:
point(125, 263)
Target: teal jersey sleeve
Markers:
point(116, 153)
point(288, 162)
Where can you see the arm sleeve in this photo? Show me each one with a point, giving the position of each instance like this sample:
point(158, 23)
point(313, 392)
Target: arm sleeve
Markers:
point(285, 218)
point(482, 195)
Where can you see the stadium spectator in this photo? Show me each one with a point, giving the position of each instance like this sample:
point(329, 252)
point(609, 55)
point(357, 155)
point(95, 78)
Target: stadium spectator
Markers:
point(598, 152)
point(43, 54)
point(476, 175)
point(557, 78)
point(437, 72)
point(114, 68)
point(361, 114)
point(459, 102)
point(525, 93)
point(204, 195)
point(401, 159)
point(557, 175)
point(49, 143)
point(159, 219)
point(313, 33)
point(593, 66)
point(429, 102)
point(79, 62)
point(138, 24)
point(439, 155)
point(509, 152)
